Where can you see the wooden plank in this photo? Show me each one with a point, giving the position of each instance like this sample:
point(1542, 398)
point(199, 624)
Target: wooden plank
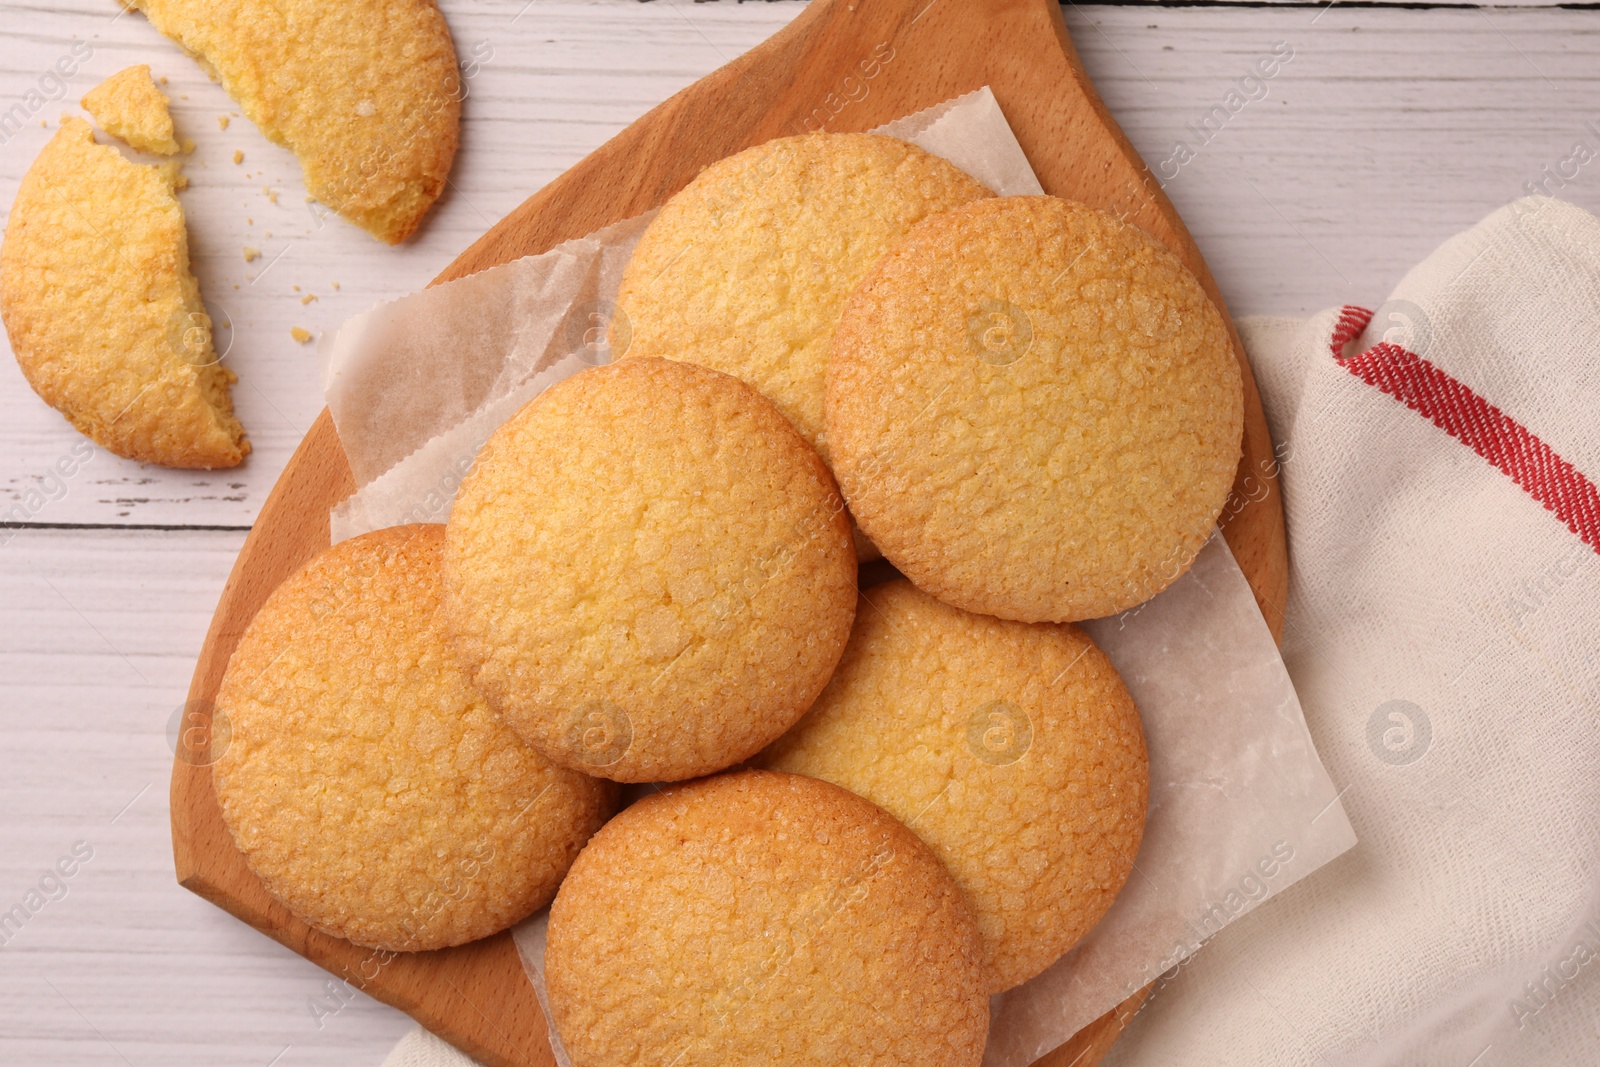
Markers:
point(1388, 132)
point(1369, 149)
point(101, 629)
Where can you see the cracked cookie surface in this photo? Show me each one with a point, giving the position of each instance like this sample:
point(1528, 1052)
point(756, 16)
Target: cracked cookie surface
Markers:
point(762, 918)
point(367, 95)
point(1034, 410)
point(649, 571)
point(129, 107)
point(367, 784)
point(1013, 749)
point(746, 269)
point(103, 312)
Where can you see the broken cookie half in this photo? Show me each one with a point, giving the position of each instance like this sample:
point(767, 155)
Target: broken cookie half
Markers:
point(366, 94)
point(103, 312)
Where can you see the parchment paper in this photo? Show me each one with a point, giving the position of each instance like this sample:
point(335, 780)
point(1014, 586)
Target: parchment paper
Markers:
point(1240, 805)
point(416, 385)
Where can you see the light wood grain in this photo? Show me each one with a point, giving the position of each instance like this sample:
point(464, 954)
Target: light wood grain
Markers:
point(1390, 130)
point(840, 67)
point(98, 635)
point(556, 83)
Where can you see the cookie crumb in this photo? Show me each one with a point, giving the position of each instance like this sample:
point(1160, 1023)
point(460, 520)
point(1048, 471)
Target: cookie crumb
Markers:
point(222, 122)
point(300, 334)
point(238, 156)
point(251, 254)
point(188, 145)
point(308, 298)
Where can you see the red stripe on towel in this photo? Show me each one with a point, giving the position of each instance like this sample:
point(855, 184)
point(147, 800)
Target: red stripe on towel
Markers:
point(1471, 419)
point(1352, 320)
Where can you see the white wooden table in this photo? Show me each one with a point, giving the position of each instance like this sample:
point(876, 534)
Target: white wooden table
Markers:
point(1389, 130)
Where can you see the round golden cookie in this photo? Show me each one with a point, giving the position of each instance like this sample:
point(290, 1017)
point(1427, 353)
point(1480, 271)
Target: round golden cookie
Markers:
point(1034, 410)
point(760, 918)
point(367, 784)
point(1013, 749)
point(650, 572)
point(103, 313)
point(366, 94)
point(747, 268)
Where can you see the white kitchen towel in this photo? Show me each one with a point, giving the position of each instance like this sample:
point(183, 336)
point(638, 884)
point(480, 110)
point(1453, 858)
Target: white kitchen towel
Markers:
point(421, 1049)
point(1443, 633)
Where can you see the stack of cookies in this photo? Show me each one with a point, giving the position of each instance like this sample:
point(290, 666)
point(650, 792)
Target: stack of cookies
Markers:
point(897, 788)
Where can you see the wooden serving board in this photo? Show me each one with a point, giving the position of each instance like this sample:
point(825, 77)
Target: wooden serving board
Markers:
point(842, 65)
